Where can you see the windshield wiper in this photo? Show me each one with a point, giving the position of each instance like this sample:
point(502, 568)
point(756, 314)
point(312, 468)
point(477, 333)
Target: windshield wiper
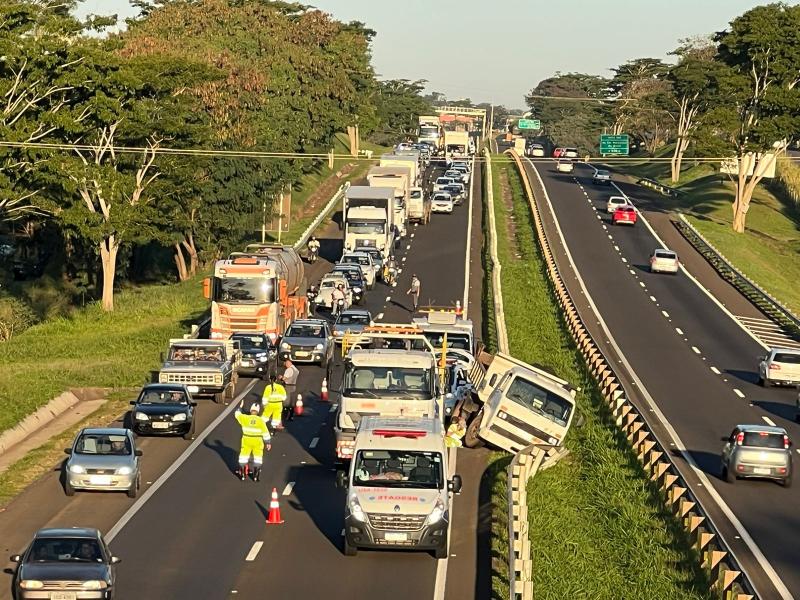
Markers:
point(354, 392)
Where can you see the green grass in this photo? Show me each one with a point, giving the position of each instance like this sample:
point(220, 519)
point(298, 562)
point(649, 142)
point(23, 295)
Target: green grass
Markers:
point(93, 348)
point(598, 528)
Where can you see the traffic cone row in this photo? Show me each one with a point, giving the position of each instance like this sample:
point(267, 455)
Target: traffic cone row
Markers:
point(274, 516)
point(323, 394)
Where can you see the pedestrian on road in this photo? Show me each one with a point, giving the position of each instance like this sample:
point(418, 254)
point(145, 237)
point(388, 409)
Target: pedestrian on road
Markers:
point(289, 381)
point(414, 292)
point(273, 400)
point(255, 435)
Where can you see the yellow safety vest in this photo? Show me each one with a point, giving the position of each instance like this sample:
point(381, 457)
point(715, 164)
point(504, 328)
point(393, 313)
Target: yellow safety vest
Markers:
point(252, 425)
point(274, 392)
point(454, 435)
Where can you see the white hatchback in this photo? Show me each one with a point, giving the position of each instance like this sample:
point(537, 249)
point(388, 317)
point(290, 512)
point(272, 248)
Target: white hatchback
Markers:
point(564, 166)
point(614, 202)
point(442, 203)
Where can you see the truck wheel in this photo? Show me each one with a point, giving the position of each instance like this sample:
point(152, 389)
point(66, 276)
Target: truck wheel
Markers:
point(471, 439)
point(348, 549)
point(230, 390)
point(440, 553)
point(219, 398)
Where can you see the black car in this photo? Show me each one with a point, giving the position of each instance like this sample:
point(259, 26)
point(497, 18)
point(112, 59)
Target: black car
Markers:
point(355, 277)
point(164, 409)
point(257, 354)
point(65, 563)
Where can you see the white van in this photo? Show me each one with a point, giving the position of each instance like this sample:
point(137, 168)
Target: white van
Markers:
point(399, 487)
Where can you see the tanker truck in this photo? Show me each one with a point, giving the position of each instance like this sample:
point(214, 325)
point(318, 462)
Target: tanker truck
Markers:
point(260, 290)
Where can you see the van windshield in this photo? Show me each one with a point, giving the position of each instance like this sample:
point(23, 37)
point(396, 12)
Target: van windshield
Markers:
point(387, 382)
point(398, 469)
point(366, 227)
point(454, 340)
point(540, 401)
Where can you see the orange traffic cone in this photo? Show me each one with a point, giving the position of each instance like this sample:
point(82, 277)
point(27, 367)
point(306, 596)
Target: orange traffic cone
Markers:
point(274, 517)
point(298, 406)
point(323, 394)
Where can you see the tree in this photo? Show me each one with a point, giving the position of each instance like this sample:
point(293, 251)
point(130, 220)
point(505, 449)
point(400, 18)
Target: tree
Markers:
point(641, 92)
point(756, 86)
point(690, 80)
point(399, 102)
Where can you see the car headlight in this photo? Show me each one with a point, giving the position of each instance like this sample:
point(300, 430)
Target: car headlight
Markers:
point(124, 471)
point(357, 290)
point(319, 346)
point(262, 358)
point(31, 584)
point(94, 584)
point(141, 417)
point(261, 355)
point(179, 417)
point(356, 510)
point(338, 332)
point(286, 346)
point(437, 513)
point(162, 378)
point(76, 469)
point(552, 441)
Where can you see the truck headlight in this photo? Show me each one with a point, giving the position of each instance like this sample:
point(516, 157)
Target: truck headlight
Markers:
point(319, 347)
point(76, 469)
point(355, 509)
point(218, 378)
point(124, 471)
point(437, 513)
point(357, 290)
point(141, 417)
point(94, 584)
point(552, 441)
point(179, 417)
point(31, 584)
point(162, 378)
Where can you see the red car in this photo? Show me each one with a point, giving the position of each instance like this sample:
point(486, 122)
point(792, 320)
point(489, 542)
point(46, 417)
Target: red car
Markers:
point(558, 152)
point(624, 215)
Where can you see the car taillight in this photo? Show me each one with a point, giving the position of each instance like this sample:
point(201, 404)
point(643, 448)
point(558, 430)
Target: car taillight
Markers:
point(785, 442)
point(740, 438)
point(774, 367)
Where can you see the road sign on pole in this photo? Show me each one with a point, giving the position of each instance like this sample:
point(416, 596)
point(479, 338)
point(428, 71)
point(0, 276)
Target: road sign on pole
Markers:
point(529, 124)
point(615, 144)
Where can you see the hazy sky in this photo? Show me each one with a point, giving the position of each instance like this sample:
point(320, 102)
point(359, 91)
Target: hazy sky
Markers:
point(497, 50)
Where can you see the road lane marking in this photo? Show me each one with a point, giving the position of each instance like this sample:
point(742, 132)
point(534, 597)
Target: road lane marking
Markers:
point(679, 330)
point(632, 271)
point(624, 259)
point(403, 259)
point(314, 443)
point(641, 283)
point(333, 407)
point(288, 489)
point(412, 235)
point(738, 392)
point(388, 298)
point(652, 298)
point(715, 370)
point(408, 247)
point(137, 506)
point(769, 421)
point(695, 349)
point(379, 317)
point(665, 313)
point(251, 556)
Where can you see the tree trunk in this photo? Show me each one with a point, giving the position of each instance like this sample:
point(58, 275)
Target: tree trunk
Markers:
point(188, 243)
point(180, 263)
point(108, 256)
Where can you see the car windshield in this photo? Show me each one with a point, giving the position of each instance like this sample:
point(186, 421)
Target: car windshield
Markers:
point(65, 550)
point(378, 382)
point(762, 439)
point(252, 290)
point(454, 340)
point(602, 173)
point(441, 198)
point(248, 342)
point(104, 444)
point(398, 468)
point(350, 275)
point(351, 319)
point(193, 353)
point(163, 397)
point(540, 400)
point(366, 227)
point(306, 331)
point(786, 357)
point(331, 283)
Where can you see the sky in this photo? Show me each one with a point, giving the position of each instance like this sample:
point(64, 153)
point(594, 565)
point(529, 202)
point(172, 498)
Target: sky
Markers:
point(497, 50)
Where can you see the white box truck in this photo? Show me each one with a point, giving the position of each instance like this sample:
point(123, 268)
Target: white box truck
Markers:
point(456, 144)
point(408, 158)
point(399, 180)
point(368, 218)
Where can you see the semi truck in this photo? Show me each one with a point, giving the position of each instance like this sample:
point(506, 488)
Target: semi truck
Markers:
point(368, 218)
point(430, 132)
point(261, 290)
point(456, 144)
point(406, 158)
point(398, 179)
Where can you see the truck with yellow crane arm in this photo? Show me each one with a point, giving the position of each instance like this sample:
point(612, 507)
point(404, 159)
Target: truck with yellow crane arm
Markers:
point(260, 290)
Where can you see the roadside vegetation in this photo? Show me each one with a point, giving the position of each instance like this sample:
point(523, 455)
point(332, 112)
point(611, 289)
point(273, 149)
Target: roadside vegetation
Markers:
point(598, 527)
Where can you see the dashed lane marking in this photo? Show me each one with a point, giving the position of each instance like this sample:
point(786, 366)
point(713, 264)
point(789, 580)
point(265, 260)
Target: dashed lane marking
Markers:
point(641, 283)
point(333, 407)
point(738, 392)
point(632, 271)
point(652, 298)
point(379, 317)
point(388, 298)
point(408, 247)
point(288, 489)
point(715, 370)
point(665, 313)
point(695, 349)
point(769, 421)
point(251, 556)
point(314, 443)
point(679, 330)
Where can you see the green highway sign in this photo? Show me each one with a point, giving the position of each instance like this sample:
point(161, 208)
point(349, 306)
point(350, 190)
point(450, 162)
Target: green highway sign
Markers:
point(614, 144)
point(529, 124)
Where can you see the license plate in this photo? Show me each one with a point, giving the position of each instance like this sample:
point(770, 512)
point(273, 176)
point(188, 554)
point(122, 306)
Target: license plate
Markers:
point(761, 471)
point(193, 389)
point(396, 537)
point(158, 425)
point(247, 363)
point(302, 353)
point(100, 479)
point(63, 596)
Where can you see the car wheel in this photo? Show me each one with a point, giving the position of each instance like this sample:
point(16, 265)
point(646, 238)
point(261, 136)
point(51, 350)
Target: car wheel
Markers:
point(760, 381)
point(471, 439)
point(189, 435)
point(767, 383)
point(727, 475)
point(68, 489)
point(787, 482)
point(133, 491)
point(348, 549)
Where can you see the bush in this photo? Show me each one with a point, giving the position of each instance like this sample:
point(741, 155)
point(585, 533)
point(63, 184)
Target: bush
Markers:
point(15, 316)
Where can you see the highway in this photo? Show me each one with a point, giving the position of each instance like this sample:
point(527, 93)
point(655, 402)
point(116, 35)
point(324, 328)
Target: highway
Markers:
point(690, 359)
point(200, 532)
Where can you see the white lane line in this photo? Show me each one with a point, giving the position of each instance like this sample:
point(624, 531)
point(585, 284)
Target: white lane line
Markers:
point(665, 313)
point(408, 247)
point(652, 298)
point(314, 443)
point(333, 407)
point(738, 392)
point(388, 298)
point(403, 259)
point(641, 283)
point(137, 506)
point(632, 271)
point(769, 421)
point(606, 228)
point(715, 370)
point(412, 235)
point(251, 556)
point(616, 248)
point(695, 349)
point(379, 317)
point(609, 237)
point(679, 330)
point(288, 489)
point(624, 259)
point(399, 271)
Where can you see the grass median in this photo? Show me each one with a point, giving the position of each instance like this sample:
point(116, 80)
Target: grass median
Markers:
point(598, 527)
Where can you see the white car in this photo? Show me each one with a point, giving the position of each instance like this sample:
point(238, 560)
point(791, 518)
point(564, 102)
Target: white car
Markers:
point(327, 285)
point(463, 173)
point(453, 174)
point(442, 203)
point(536, 150)
point(442, 182)
point(664, 261)
point(564, 166)
point(614, 202)
point(780, 367)
point(570, 152)
point(366, 263)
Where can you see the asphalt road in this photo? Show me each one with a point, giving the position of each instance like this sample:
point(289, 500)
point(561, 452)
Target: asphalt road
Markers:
point(191, 536)
point(695, 362)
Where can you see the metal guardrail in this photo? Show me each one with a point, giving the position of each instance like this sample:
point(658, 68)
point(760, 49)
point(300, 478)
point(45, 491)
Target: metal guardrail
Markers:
point(765, 302)
point(662, 189)
point(321, 216)
point(497, 268)
point(728, 580)
point(524, 465)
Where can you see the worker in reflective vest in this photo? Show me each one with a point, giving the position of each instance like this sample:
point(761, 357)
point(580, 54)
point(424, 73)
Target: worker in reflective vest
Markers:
point(255, 435)
point(456, 431)
point(273, 398)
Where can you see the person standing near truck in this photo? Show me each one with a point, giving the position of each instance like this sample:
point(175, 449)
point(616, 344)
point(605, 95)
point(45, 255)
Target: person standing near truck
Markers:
point(273, 399)
point(414, 291)
point(289, 380)
point(255, 435)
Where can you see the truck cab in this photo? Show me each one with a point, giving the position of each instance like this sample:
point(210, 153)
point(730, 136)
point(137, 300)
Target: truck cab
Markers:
point(438, 322)
point(205, 367)
point(368, 217)
point(399, 487)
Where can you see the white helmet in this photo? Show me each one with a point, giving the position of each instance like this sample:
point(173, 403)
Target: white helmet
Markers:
point(255, 408)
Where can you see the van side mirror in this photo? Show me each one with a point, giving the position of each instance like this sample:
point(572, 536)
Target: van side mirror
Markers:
point(15, 558)
point(138, 452)
point(341, 479)
point(67, 450)
point(132, 402)
point(115, 560)
point(725, 439)
point(454, 485)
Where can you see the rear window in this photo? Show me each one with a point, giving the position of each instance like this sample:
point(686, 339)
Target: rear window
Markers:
point(785, 357)
point(762, 439)
point(662, 254)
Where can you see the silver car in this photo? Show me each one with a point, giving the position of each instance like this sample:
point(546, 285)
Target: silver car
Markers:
point(352, 321)
point(103, 459)
point(780, 367)
point(757, 451)
point(664, 261)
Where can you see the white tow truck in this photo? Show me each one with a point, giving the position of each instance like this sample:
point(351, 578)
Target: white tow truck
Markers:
point(399, 487)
